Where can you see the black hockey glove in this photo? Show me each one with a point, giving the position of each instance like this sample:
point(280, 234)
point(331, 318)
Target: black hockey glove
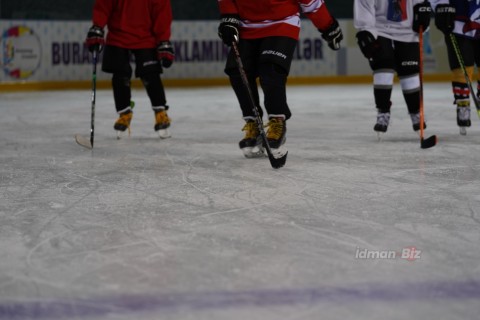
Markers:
point(95, 39)
point(445, 18)
point(368, 44)
point(333, 35)
point(165, 54)
point(228, 28)
point(421, 16)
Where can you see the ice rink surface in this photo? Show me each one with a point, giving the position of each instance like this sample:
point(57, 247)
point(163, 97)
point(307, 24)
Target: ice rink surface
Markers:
point(187, 228)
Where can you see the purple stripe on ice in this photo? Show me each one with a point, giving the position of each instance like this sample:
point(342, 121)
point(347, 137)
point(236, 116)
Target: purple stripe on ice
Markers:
point(128, 304)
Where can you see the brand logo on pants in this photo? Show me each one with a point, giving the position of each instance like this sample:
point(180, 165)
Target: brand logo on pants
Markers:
point(274, 53)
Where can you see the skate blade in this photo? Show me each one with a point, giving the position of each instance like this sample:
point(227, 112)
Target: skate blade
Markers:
point(380, 136)
point(463, 131)
point(121, 134)
point(253, 152)
point(164, 133)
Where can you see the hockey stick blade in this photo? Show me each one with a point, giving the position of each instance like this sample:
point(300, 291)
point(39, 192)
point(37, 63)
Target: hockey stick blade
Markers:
point(277, 163)
point(84, 142)
point(429, 142)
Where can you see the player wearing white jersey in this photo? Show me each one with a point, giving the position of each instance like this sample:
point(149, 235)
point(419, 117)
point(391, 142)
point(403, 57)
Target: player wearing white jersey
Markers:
point(388, 37)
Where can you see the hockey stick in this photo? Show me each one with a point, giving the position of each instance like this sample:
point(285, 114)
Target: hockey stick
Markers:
point(456, 48)
point(431, 141)
point(276, 162)
point(81, 140)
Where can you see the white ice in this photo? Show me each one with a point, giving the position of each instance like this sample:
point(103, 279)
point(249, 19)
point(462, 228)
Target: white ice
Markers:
point(187, 228)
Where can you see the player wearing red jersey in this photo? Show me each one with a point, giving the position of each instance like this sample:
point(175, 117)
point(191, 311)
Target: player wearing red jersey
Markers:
point(267, 32)
point(140, 28)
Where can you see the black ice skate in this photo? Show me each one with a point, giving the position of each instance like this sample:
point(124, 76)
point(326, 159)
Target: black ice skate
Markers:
point(276, 136)
point(251, 144)
point(162, 123)
point(123, 123)
point(383, 119)
point(416, 121)
point(463, 116)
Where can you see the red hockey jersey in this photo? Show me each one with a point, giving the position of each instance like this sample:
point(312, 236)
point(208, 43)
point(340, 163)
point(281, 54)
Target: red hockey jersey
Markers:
point(134, 24)
point(267, 18)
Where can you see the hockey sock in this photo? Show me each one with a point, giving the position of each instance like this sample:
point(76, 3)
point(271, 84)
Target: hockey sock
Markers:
point(382, 89)
point(461, 92)
point(121, 91)
point(411, 92)
point(155, 90)
point(242, 95)
point(273, 80)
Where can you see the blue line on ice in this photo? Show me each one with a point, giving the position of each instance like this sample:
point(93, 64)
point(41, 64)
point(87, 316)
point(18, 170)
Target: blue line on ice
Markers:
point(217, 300)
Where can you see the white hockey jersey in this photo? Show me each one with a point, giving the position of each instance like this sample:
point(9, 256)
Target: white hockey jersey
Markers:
point(391, 19)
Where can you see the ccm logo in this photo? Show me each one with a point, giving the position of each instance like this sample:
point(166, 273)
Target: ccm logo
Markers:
point(409, 63)
point(425, 9)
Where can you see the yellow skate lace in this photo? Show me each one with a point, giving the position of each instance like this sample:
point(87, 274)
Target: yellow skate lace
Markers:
point(125, 119)
point(275, 129)
point(162, 118)
point(251, 130)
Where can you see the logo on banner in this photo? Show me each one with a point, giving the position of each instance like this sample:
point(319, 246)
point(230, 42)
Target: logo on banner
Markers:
point(20, 53)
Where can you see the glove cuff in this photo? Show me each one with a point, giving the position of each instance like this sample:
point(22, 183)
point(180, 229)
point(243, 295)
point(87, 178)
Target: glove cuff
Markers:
point(233, 19)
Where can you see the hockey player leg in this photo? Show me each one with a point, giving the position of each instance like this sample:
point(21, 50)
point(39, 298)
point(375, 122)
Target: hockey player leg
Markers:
point(382, 90)
point(461, 93)
point(156, 93)
point(273, 80)
point(411, 93)
point(123, 103)
point(251, 143)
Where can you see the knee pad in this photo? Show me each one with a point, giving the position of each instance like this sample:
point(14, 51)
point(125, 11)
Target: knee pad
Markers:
point(121, 91)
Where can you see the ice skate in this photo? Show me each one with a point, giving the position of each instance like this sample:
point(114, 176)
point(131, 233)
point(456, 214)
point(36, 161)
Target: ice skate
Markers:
point(276, 136)
point(251, 144)
point(383, 119)
point(416, 122)
point(123, 123)
point(463, 116)
point(162, 123)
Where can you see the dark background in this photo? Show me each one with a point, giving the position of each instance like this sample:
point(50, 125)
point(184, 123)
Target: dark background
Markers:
point(81, 9)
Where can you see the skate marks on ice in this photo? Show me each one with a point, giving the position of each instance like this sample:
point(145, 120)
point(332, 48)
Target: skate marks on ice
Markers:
point(189, 224)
